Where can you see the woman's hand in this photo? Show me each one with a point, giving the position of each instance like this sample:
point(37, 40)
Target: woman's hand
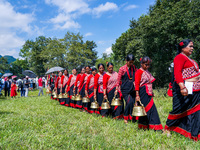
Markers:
point(184, 91)
point(105, 96)
point(137, 98)
point(73, 90)
point(86, 93)
point(116, 91)
point(77, 91)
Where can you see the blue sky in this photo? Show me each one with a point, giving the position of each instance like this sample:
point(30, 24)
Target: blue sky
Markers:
point(102, 21)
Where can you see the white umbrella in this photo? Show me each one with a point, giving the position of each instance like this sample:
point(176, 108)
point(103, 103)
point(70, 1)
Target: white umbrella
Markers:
point(54, 69)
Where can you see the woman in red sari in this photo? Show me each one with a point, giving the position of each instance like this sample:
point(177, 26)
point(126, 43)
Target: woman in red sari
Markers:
point(13, 91)
point(109, 89)
point(82, 84)
point(98, 86)
point(89, 90)
point(58, 85)
point(64, 80)
point(144, 93)
point(185, 116)
point(125, 81)
point(70, 87)
point(76, 85)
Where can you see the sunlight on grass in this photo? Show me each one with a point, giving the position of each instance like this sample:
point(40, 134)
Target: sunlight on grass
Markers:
point(41, 123)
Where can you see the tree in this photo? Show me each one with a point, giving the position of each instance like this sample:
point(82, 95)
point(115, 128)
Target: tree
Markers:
point(157, 34)
point(4, 65)
point(69, 52)
point(18, 66)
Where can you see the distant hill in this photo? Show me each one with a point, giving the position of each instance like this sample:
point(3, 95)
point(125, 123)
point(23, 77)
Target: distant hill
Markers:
point(9, 58)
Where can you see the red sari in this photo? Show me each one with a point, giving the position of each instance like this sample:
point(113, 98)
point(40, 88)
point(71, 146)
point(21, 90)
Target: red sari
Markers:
point(143, 84)
point(13, 91)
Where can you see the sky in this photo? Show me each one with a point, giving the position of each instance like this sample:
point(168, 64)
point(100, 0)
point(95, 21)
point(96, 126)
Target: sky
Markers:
point(101, 21)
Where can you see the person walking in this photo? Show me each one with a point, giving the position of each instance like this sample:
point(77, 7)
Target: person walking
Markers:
point(7, 86)
point(26, 86)
point(40, 85)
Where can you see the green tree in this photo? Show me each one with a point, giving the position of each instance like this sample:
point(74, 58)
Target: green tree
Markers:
point(4, 65)
point(18, 66)
point(157, 33)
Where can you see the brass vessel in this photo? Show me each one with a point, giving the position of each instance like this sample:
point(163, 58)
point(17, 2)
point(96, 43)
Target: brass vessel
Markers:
point(116, 101)
point(94, 105)
point(85, 99)
point(139, 110)
point(105, 105)
point(66, 95)
point(78, 97)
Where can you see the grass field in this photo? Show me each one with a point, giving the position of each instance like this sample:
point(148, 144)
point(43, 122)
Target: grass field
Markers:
point(41, 123)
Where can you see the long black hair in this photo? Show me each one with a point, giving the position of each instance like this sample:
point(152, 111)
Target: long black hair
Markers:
point(184, 43)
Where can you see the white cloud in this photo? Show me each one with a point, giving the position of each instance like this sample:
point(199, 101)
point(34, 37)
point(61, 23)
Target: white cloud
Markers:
point(12, 23)
point(130, 7)
point(11, 19)
point(88, 34)
point(68, 11)
point(97, 11)
point(69, 6)
point(68, 25)
point(108, 50)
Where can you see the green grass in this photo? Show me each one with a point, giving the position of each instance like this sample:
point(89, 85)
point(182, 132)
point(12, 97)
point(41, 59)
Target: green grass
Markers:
point(41, 123)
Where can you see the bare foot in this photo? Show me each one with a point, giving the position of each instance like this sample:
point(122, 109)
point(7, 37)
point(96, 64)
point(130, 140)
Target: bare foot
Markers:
point(126, 121)
point(167, 133)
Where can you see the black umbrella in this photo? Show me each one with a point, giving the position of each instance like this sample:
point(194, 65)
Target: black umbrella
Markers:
point(54, 69)
point(29, 73)
point(8, 74)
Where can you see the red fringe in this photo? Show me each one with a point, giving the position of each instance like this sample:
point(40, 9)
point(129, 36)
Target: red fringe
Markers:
point(78, 106)
point(184, 114)
point(62, 103)
point(182, 132)
point(153, 127)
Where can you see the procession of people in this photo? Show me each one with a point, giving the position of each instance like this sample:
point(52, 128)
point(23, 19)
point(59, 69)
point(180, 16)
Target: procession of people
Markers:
point(118, 94)
point(133, 87)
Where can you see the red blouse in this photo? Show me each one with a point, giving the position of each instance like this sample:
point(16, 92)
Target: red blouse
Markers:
point(181, 62)
point(106, 77)
point(78, 78)
point(64, 80)
point(57, 82)
point(96, 77)
point(88, 82)
point(138, 76)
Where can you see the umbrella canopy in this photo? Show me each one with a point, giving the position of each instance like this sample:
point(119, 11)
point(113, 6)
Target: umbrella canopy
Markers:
point(29, 73)
point(54, 69)
point(8, 74)
point(14, 77)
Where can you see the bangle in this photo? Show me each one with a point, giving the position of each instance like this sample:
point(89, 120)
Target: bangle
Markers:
point(183, 88)
point(137, 95)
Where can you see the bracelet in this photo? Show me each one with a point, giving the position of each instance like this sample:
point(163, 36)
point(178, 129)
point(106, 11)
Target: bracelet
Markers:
point(137, 95)
point(183, 88)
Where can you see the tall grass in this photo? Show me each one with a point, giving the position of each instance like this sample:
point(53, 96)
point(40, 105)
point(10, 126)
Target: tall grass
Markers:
point(41, 123)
